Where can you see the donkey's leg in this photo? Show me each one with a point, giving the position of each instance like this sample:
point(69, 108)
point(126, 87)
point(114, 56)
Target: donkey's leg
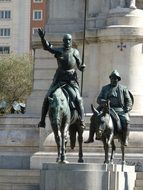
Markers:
point(123, 153)
point(106, 150)
point(112, 152)
point(80, 141)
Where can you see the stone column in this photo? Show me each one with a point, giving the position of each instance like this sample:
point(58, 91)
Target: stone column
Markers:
point(121, 48)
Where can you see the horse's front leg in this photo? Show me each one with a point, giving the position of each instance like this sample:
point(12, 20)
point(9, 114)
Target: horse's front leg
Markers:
point(64, 132)
point(106, 150)
point(57, 139)
point(110, 139)
point(80, 141)
point(112, 151)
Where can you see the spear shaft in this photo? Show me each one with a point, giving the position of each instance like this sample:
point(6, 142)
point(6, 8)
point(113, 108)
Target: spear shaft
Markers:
point(83, 48)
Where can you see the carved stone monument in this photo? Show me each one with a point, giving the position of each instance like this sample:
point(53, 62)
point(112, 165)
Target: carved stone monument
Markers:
point(114, 38)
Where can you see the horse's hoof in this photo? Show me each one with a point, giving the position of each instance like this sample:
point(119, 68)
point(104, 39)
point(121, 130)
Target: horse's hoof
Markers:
point(63, 162)
point(80, 160)
point(57, 160)
point(106, 162)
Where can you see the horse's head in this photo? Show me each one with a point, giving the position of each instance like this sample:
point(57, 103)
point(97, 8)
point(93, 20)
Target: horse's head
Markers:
point(98, 121)
point(56, 105)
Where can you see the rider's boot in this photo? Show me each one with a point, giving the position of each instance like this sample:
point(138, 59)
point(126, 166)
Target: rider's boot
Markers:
point(91, 135)
point(126, 135)
point(80, 109)
point(45, 108)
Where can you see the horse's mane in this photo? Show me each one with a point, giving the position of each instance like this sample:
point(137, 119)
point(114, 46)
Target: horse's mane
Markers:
point(58, 93)
point(59, 99)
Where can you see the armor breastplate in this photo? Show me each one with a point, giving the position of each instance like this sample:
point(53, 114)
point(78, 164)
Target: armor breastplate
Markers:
point(66, 60)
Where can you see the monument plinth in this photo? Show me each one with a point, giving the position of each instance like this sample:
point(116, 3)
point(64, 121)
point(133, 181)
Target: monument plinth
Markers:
point(86, 176)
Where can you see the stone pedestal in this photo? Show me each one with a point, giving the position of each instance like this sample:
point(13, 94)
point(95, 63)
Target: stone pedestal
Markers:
point(86, 177)
point(19, 139)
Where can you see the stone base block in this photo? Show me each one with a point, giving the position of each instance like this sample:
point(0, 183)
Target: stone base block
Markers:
point(85, 177)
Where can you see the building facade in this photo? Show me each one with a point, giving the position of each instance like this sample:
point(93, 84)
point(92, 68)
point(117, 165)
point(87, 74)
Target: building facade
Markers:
point(38, 15)
point(19, 19)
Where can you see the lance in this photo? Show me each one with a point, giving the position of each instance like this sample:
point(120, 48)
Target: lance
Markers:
point(83, 48)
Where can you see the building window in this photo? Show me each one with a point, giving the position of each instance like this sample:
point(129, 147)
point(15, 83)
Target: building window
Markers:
point(37, 15)
point(37, 1)
point(4, 50)
point(5, 32)
point(5, 14)
point(34, 30)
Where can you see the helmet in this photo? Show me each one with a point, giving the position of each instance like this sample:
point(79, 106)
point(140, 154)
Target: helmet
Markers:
point(115, 73)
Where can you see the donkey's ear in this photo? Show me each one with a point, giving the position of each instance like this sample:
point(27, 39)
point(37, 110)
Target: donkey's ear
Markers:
point(95, 111)
point(50, 99)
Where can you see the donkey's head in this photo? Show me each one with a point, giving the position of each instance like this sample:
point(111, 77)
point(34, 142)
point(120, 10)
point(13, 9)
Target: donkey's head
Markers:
point(98, 121)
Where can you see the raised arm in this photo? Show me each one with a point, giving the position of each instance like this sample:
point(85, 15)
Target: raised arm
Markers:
point(46, 45)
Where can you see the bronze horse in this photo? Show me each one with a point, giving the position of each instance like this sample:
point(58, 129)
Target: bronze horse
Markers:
point(64, 120)
point(105, 127)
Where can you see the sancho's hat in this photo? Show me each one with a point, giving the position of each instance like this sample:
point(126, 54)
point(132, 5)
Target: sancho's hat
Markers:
point(115, 73)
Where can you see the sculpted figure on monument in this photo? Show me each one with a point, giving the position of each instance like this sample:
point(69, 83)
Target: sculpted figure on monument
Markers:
point(63, 101)
point(124, 3)
point(111, 119)
point(120, 102)
point(68, 60)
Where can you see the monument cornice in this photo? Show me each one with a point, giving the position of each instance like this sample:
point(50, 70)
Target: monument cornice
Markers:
point(108, 34)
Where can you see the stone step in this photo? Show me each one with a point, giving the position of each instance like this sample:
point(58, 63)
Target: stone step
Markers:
point(139, 181)
point(135, 143)
point(37, 159)
point(139, 175)
point(18, 187)
point(19, 179)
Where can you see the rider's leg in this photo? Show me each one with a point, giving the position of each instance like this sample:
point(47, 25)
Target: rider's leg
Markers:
point(125, 121)
point(74, 92)
point(80, 108)
point(126, 134)
point(45, 107)
point(91, 135)
point(44, 111)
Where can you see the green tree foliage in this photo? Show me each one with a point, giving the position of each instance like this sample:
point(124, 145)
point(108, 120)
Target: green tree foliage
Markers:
point(15, 77)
